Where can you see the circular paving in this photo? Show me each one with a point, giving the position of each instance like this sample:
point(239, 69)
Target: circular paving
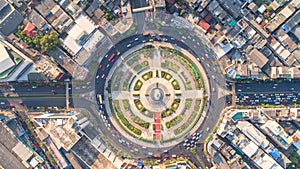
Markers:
point(155, 95)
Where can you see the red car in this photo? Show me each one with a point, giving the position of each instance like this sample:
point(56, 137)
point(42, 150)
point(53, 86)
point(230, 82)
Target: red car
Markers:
point(100, 66)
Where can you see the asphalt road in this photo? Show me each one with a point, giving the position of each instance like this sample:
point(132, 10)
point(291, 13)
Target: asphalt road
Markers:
point(280, 92)
point(37, 96)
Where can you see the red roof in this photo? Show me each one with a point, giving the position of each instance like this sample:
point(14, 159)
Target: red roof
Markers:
point(203, 24)
point(29, 30)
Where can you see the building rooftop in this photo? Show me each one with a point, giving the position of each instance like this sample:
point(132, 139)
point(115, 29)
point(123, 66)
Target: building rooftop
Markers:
point(3, 3)
point(253, 133)
point(88, 153)
point(250, 149)
point(267, 162)
point(22, 151)
point(5, 60)
point(36, 19)
point(10, 19)
point(280, 18)
point(203, 24)
point(78, 34)
point(60, 129)
point(29, 30)
point(258, 58)
point(233, 7)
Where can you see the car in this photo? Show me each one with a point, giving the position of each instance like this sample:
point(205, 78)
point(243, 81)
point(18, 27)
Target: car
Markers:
point(144, 41)
point(53, 90)
point(213, 77)
point(97, 76)
point(34, 87)
point(107, 65)
point(12, 89)
point(172, 38)
point(129, 45)
point(103, 76)
point(100, 66)
point(136, 39)
point(183, 37)
point(198, 59)
point(106, 56)
point(2, 103)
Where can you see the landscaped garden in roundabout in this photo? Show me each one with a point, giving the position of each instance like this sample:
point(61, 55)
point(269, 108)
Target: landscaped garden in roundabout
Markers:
point(156, 94)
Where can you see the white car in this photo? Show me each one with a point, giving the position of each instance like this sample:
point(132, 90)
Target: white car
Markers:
point(136, 39)
point(97, 76)
point(213, 77)
point(102, 76)
point(183, 37)
point(107, 65)
point(128, 45)
point(144, 41)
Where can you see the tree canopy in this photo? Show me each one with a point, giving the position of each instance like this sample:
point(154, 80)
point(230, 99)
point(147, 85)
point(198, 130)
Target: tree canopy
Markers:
point(49, 41)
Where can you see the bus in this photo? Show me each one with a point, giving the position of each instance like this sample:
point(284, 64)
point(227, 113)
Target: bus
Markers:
point(100, 98)
point(111, 57)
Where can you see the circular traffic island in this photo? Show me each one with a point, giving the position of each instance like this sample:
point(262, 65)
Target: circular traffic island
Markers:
point(155, 95)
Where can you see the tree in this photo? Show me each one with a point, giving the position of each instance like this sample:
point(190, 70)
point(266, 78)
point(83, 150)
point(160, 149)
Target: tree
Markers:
point(182, 12)
point(49, 41)
point(269, 8)
point(295, 159)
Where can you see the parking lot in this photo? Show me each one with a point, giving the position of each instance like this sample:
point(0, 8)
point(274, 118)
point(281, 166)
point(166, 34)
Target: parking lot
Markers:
point(273, 93)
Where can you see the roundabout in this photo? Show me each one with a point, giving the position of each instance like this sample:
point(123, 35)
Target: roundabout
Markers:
point(155, 95)
point(151, 91)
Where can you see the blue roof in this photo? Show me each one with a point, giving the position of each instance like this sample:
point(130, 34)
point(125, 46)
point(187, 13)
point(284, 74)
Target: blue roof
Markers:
point(285, 28)
point(140, 163)
point(275, 154)
point(45, 26)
